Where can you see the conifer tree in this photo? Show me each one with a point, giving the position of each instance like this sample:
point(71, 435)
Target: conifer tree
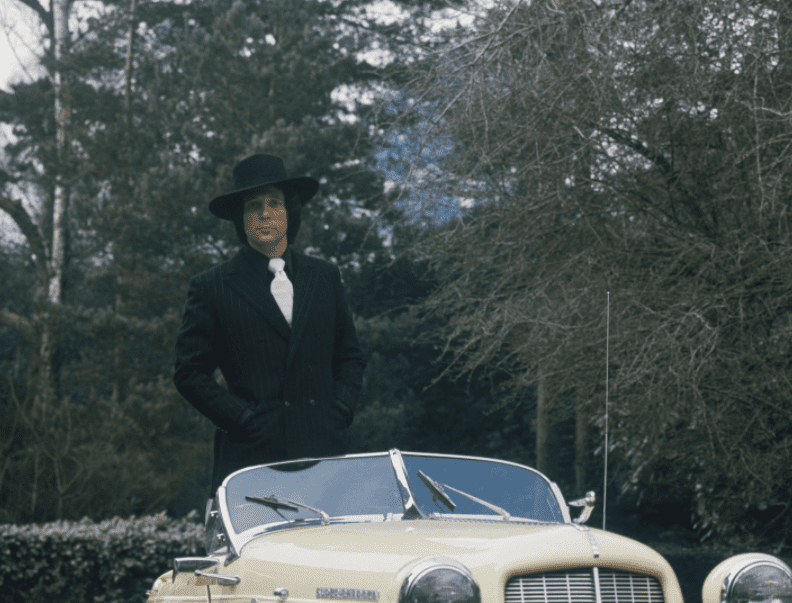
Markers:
point(163, 99)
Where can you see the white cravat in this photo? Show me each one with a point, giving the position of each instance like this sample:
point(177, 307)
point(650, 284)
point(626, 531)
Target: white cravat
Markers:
point(282, 289)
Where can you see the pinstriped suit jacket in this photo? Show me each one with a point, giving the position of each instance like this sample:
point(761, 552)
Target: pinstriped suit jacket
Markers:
point(231, 321)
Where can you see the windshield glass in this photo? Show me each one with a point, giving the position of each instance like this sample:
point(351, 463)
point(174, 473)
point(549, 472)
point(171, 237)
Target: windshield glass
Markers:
point(351, 486)
point(519, 491)
point(367, 485)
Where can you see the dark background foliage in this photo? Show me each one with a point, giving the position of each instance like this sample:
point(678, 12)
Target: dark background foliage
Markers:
point(483, 189)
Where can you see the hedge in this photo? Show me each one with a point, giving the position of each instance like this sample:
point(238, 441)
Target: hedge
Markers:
point(115, 561)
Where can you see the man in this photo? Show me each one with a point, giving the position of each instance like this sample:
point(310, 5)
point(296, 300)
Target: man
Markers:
point(277, 325)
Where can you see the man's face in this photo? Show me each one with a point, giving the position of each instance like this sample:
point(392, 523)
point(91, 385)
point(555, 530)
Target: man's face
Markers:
point(264, 216)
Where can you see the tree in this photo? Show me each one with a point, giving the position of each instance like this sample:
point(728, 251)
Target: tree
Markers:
point(49, 243)
point(164, 99)
point(639, 148)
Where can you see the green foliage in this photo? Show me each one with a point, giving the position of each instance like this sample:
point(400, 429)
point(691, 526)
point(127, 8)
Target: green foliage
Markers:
point(151, 141)
point(114, 561)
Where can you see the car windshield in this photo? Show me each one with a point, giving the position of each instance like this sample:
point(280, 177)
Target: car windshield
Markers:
point(520, 492)
point(368, 486)
point(344, 486)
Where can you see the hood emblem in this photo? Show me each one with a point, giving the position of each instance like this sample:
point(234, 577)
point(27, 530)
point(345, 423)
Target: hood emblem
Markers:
point(591, 538)
point(355, 594)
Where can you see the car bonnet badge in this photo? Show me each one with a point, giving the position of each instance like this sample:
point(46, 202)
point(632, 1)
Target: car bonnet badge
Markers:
point(356, 594)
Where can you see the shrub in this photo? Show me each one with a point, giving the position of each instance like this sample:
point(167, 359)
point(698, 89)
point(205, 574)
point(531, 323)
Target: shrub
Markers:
point(114, 561)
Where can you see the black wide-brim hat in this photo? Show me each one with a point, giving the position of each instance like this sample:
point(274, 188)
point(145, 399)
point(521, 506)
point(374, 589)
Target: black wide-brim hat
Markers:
point(257, 171)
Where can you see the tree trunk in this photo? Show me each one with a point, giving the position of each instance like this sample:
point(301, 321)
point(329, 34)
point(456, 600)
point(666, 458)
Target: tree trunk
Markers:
point(40, 411)
point(45, 380)
point(128, 74)
point(542, 421)
point(119, 246)
point(60, 14)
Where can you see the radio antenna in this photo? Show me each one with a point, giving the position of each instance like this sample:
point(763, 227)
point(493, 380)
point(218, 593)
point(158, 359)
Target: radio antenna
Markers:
point(607, 364)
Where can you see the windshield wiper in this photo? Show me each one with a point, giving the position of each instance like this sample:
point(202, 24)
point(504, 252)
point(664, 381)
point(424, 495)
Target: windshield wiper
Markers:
point(273, 502)
point(437, 492)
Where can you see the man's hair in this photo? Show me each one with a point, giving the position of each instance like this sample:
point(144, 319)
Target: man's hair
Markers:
point(293, 205)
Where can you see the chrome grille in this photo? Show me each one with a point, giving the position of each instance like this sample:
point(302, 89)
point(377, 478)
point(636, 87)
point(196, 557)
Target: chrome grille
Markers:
point(579, 586)
point(552, 587)
point(619, 587)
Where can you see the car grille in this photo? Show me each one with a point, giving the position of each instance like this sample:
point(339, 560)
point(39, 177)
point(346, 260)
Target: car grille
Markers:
point(579, 586)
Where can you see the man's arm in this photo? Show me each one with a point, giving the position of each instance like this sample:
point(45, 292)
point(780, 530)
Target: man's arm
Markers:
point(348, 360)
point(197, 346)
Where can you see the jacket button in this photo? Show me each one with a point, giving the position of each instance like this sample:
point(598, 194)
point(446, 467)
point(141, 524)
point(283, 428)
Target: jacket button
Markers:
point(313, 402)
point(287, 403)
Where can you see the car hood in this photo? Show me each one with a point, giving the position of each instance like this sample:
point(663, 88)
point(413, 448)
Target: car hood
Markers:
point(378, 556)
point(388, 546)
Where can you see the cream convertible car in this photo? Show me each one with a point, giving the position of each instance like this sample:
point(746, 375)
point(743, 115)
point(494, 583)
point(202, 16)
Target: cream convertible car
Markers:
point(403, 527)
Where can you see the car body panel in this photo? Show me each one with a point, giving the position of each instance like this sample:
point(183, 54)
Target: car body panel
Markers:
point(378, 556)
point(369, 527)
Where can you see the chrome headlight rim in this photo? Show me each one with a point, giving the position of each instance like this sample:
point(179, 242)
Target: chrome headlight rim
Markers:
point(749, 562)
point(430, 564)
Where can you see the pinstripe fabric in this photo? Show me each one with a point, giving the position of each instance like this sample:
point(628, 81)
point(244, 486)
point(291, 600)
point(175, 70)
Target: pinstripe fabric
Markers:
point(231, 321)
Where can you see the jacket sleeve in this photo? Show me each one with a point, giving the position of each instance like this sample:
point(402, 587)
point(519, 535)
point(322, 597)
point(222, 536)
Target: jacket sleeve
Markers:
point(348, 360)
point(198, 344)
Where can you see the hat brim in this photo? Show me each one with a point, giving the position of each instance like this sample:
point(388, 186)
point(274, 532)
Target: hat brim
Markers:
point(223, 206)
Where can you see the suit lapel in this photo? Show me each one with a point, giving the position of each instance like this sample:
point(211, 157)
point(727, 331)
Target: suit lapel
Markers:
point(243, 277)
point(304, 291)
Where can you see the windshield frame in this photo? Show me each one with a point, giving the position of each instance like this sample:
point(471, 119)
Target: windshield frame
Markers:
point(237, 540)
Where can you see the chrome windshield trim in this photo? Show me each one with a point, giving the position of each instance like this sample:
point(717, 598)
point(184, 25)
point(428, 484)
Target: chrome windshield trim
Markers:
point(411, 509)
point(561, 501)
point(234, 542)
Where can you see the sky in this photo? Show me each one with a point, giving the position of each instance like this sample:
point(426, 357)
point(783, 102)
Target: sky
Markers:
point(20, 35)
point(19, 43)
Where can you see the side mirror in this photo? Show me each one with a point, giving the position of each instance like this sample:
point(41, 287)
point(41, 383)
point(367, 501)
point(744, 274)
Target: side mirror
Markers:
point(588, 506)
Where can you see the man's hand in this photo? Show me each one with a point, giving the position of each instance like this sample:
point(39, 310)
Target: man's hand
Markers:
point(256, 423)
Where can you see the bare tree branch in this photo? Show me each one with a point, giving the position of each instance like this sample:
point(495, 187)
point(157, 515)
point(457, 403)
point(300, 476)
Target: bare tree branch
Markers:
point(623, 138)
point(553, 114)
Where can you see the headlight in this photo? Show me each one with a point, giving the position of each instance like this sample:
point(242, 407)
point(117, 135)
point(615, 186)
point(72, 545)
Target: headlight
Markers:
point(439, 580)
point(761, 580)
point(752, 578)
